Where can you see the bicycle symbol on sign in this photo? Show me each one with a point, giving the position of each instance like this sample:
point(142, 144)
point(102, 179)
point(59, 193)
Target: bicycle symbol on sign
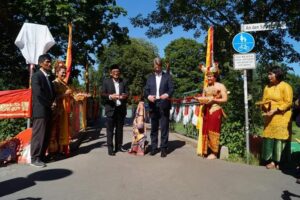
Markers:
point(243, 42)
point(243, 45)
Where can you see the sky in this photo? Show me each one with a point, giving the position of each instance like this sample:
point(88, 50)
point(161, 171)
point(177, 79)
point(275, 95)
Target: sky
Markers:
point(135, 7)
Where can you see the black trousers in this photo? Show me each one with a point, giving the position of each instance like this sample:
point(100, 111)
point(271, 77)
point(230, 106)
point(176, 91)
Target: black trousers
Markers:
point(41, 132)
point(160, 117)
point(114, 127)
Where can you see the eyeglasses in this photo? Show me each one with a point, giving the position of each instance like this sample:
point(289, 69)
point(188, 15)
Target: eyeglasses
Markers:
point(115, 71)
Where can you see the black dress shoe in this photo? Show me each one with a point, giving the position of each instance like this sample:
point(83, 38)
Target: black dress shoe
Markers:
point(153, 152)
point(120, 149)
point(163, 153)
point(110, 151)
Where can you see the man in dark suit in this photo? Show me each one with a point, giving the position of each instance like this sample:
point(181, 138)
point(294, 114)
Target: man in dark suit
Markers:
point(159, 88)
point(42, 103)
point(114, 93)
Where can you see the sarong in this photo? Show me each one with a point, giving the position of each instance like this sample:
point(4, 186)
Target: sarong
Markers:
point(211, 129)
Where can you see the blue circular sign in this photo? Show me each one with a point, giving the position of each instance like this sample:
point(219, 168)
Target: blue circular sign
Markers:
point(243, 42)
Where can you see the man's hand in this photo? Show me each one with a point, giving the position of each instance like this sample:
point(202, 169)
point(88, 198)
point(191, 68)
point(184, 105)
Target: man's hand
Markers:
point(123, 96)
point(164, 96)
point(114, 96)
point(151, 98)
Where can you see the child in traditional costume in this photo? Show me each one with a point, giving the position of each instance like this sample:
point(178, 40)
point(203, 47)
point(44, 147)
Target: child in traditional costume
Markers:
point(139, 131)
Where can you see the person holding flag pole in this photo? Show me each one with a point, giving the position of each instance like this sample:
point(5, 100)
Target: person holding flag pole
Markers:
point(210, 117)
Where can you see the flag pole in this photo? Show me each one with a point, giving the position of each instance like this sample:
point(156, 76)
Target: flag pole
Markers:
point(209, 61)
point(69, 54)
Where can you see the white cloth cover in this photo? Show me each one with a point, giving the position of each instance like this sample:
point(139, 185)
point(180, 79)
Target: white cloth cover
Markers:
point(187, 117)
point(34, 40)
point(195, 116)
point(171, 112)
point(179, 114)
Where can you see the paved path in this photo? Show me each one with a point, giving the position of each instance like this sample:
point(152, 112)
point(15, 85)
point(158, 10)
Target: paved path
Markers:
point(93, 175)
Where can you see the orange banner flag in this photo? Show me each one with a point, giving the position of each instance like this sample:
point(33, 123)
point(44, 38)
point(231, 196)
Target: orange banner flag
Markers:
point(15, 103)
point(69, 54)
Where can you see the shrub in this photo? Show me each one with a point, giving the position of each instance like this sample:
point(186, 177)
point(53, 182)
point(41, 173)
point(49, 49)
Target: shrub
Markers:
point(11, 127)
point(232, 136)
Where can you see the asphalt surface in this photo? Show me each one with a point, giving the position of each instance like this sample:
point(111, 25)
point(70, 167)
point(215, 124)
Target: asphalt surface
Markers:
point(93, 175)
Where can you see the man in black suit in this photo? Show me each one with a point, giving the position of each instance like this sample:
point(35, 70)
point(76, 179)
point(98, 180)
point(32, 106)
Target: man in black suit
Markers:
point(42, 103)
point(114, 93)
point(159, 88)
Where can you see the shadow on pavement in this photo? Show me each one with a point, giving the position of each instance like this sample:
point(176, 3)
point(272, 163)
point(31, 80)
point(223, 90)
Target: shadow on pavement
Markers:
point(286, 195)
point(87, 148)
point(20, 183)
point(175, 144)
point(91, 133)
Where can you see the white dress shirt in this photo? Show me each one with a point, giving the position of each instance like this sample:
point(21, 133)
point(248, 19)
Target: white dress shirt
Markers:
point(117, 88)
point(157, 80)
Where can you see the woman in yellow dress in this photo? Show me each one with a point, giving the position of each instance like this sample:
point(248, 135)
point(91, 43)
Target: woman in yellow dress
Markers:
point(278, 96)
point(60, 133)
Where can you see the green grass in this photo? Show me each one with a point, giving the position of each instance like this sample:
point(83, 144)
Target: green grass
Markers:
point(238, 159)
point(295, 132)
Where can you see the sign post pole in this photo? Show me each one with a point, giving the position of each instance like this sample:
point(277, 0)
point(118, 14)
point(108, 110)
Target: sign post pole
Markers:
point(246, 114)
point(244, 43)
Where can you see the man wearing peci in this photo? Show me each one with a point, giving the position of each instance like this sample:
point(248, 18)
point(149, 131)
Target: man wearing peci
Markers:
point(159, 88)
point(114, 93)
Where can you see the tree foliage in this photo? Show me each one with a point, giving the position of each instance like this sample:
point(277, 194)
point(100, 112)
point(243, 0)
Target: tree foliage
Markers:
point(226, 17)
point(184, 56)
point(93, 26)
point(135, 60)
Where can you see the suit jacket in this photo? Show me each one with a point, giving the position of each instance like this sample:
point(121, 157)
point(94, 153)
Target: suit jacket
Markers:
point(42, 97)
point(108, 88)
point(166, 86)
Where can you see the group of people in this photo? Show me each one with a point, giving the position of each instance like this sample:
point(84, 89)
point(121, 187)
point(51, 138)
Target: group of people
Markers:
point(276, 108)
point(158, 91)
point(50, 112)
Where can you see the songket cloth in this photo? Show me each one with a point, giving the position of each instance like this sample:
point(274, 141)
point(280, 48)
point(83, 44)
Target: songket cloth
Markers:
point(139, 131)
point(212, 122)
point(60, 133)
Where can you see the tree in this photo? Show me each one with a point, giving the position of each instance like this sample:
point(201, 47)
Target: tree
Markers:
point(226, 17)
point(135, 60)
point(184, 56)
point(92, 26)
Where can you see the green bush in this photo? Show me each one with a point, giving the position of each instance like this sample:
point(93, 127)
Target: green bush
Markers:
point(11, 127)
point(232, 136)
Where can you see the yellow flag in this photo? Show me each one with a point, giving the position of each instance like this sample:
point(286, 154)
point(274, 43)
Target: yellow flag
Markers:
point(209, 62)
point(69, 54)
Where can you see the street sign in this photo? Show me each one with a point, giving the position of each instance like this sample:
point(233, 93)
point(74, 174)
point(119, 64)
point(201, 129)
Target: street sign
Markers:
point(244, 61)
point(243, 42)
point(263, 26)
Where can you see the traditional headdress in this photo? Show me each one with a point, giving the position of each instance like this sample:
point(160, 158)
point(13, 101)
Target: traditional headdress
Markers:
point(214, 69)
